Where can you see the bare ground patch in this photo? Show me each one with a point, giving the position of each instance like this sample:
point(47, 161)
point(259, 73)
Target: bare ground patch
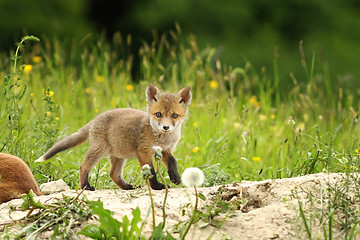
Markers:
point(269, 208)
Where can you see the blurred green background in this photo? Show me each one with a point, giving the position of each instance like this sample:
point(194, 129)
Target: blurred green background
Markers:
point(252, 30)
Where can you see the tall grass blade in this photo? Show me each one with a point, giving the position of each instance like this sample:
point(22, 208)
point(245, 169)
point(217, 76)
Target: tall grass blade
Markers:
point(302, 214)
point(331, 223)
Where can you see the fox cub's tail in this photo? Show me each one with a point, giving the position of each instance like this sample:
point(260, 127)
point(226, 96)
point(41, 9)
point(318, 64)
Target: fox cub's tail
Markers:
point(68, 142)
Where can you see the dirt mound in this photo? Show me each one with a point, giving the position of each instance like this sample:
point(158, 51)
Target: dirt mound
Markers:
point(268, 209)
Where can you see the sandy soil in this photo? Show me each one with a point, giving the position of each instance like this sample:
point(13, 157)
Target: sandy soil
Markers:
point(270, 212)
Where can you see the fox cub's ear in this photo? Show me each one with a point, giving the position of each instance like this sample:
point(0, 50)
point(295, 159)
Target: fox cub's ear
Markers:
point(184, 96)
point(152, 93)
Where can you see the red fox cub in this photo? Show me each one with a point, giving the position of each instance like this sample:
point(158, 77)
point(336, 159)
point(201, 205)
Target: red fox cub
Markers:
point(130, 133)
point(15, 178)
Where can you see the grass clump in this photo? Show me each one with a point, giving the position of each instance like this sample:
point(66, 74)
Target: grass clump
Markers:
point(110, 228)
point(332, 211)
point(215, 176)
point(61, 218)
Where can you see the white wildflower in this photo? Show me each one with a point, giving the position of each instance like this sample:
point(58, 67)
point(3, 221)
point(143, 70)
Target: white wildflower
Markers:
point(192, 177)
point(157, 149)
point(291, 122)
point(146, 171)
point(146, 167)
point(158, 152)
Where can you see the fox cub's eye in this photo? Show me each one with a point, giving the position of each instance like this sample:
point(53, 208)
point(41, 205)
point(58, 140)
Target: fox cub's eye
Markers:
point(158, 114)
point(174, 115)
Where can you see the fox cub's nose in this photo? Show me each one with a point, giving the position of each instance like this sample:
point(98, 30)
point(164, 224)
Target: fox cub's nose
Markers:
point(166, 128)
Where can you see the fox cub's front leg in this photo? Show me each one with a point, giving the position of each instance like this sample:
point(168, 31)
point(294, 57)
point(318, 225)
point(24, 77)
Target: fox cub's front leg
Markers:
point(146, 158)
point(171, 165)
point(153, 180)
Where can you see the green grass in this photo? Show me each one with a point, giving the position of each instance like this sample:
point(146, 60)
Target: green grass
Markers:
point(330, 211)
point(242, 122)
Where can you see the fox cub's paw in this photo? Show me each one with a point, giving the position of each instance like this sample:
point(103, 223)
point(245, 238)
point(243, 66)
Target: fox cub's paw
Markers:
point(88, 187)
point(131, 187)
point(157, 186)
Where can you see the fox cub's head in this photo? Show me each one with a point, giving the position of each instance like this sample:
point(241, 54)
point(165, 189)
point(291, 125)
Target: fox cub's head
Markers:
point(167, 111)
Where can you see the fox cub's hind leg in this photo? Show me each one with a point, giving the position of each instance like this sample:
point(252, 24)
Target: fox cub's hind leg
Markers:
point(117, 166)
point(93, 156)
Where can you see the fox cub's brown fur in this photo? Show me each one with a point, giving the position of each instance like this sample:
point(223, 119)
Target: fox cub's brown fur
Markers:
point(15, 178)
point(130, 133)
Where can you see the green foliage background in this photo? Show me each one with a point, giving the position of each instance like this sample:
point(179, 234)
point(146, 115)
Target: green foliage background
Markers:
point(261, 107)
point(240, 30)
point(241, 125)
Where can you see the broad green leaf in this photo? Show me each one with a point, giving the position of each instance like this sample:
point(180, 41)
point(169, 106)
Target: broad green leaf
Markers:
point(201, 196)
point(25, 205)
point(125, 226)
point(92, 231)
point(32, 202)
point(158, 232)
point(135, 220)
point(109, 225)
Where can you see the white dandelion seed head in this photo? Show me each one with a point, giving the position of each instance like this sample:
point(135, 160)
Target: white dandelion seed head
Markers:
point(192, 177)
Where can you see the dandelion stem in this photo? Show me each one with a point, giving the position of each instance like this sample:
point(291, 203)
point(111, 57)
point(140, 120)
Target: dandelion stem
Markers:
point(19, 45)
point(192, 216)
point(165, 197)
point(152, 204)
point(16, 56)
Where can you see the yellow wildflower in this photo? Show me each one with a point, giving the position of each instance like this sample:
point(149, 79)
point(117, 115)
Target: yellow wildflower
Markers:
point(357, 151)
point(214, 84)
point(272, 116)
point(195, 149)
point(27, 68)
point(112, 103)
point(253, 101)
point(48, 114)
point(57, 119)
point(256, 159)
point(100, 79)
point(237, 125)
point(195, 125)
point(49, 93)
point(31, 94)
point(129, 87)
point(88, 90)
point(37, 59)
